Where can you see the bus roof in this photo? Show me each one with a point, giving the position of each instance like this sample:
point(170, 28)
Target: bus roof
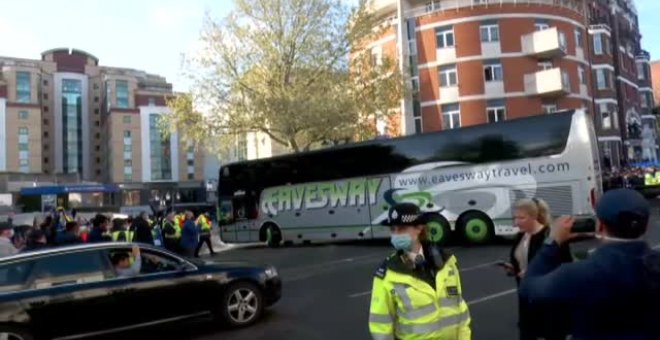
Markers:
point(535, 136)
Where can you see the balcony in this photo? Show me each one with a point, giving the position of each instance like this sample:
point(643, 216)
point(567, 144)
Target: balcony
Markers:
point(547, 43)
point(548, 83)
point(643, 55)
point(381, 7)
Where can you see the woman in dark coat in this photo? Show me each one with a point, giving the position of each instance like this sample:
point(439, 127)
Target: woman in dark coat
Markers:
point(546, 321)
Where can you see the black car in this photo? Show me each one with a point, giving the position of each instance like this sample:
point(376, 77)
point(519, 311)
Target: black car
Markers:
point(76, 291)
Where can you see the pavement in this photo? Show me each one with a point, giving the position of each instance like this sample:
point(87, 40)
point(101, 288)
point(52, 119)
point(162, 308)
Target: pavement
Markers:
point(327, 288)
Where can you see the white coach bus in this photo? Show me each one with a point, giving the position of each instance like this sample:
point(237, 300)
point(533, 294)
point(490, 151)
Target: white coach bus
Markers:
point(466, 180)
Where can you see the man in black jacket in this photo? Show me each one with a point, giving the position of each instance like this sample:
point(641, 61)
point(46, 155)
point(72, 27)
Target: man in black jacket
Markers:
point(614, 293)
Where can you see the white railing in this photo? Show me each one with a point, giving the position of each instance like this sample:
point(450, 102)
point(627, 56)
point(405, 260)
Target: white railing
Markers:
point(433, 6)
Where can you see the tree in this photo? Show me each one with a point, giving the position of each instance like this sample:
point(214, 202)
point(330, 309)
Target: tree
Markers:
point(282, 67)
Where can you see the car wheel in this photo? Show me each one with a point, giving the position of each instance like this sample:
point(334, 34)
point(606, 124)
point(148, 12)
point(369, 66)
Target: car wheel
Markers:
point(242, 304)
point(476, 228)
point(14, 333)
point(273, 236)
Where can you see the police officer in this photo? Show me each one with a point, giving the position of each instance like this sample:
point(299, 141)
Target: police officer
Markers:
point(120, 232)
point(171, 232)
point(417, 290)
point(204, 224)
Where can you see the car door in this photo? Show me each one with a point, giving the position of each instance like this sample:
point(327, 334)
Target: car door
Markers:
point(163, 290)
point(68, 292)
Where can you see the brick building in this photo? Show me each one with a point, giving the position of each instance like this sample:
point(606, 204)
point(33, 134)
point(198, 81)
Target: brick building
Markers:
point(65, 115)
point(475, 61)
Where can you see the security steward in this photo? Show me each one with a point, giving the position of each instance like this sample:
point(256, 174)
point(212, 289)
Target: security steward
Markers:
point(417, 290)
point(171, 232)
point(204, 224)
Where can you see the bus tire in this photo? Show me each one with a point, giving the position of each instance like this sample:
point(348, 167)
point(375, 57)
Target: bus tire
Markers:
point(439, 231)
point(273, 235)
point(475, 227)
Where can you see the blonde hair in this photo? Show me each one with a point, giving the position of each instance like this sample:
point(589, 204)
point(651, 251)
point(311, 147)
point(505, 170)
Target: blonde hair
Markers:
point(535, 207)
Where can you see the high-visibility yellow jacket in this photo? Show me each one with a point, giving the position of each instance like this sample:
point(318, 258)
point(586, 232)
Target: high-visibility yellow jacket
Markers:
point(128, 235)
point(649, 179)
point(405, 306)
point(167, 232)
point(203, 223)
point(657, 177)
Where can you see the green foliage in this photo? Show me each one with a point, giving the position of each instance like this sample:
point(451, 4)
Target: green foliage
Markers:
point(282, 67)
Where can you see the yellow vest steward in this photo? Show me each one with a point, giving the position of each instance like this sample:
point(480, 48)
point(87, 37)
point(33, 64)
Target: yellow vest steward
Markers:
point(177, 230)
point(127, 234)
point(204, 223)
point(648, 179)
point(657, 178)
point(405, 307)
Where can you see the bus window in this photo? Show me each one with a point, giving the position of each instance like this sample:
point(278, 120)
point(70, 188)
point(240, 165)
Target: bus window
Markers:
point(225, 212)
point(245, 207)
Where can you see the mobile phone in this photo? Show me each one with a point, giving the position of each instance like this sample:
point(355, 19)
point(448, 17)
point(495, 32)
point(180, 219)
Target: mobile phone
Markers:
point(586, 225)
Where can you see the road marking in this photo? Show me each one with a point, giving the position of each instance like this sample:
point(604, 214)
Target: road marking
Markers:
point(491, 297)
point(483, 265)
point(359, 294)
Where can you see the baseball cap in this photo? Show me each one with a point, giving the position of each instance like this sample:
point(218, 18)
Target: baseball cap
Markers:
point(625, 212)
point(404, 214)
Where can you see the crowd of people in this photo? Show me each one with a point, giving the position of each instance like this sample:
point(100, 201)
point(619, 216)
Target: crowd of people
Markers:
point(638, 178)
point(182, 233)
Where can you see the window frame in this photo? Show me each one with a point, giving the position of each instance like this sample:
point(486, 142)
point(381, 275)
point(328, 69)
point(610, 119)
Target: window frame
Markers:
point(554, 110)
point(599, 46)
point(23, 94)
point(105, 269)
point(443, 33)
point(450, 114)
point(488, 30)
point(445, 75)
point(495, 109)
point(493, 68)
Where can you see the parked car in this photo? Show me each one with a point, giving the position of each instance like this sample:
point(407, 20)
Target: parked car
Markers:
point(75, 291)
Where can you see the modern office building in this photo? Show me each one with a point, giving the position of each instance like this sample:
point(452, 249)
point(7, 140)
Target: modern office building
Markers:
point(66, 115)
point(483, 61)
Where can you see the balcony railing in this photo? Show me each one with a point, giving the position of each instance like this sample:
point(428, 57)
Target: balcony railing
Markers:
point(548, 83)
point(547, 43)
point(419, 7)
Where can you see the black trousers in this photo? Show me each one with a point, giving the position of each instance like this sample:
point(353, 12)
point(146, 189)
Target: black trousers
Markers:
point(204, 239)
point(546, 322)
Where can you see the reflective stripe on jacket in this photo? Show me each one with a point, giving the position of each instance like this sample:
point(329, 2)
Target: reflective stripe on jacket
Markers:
point(203, 223)
point(405, 307)
point(649, 179)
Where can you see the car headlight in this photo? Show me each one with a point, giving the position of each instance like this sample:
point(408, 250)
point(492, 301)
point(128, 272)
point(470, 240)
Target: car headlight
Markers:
point(271, 272)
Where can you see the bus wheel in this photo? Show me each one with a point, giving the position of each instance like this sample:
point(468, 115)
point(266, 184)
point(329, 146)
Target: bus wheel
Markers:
point(476, 227)
point(273, 236)
point(439, 230)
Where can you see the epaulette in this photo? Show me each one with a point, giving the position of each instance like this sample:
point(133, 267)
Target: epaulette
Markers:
point(382, 270)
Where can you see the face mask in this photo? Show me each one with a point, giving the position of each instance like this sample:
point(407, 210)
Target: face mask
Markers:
point(401, 242)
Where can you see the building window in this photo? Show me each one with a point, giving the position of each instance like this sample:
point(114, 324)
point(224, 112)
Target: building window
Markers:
point(545, 65)
point(432, 6)
point(46, 121)
point(127, 134)
point(541, 24)
point(121, 88)
point(493, 72)
point(641, 75)
point(444, 37)
point(578, 38)
point(45, 108)
point(45, 82)
point(96, 86)
point(96, 99)
point(549, 108)
point(602, 81)
point(191, 176)
point(45, 96)
point(582, 75)
point(605, 117)
point(160, 151)
point(126, 119)
point(23, 87)
point(152, 101)
point(490, 33)
point(451, 116)
point(96, 111)
point(46, 134)
point(97, 148)
point(45, 160)
point(97, 123)
point(598, 44)
point(417, 114)
point(128, 162)
point(496, 114)
point(71, 125)
point(448, 76)
point(562, 41)
point(23, 115)
point(23, 150)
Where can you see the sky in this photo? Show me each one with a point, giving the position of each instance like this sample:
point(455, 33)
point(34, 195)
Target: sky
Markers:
point(151, 35)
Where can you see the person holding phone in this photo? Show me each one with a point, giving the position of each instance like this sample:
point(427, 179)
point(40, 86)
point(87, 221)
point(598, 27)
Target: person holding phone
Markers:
point(532, 217)
point(615, 293)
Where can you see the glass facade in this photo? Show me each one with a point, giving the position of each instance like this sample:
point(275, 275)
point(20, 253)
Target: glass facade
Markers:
point(23, 87)
point(72, 125)
point(161, 158)
point(121, 88)
point(23, 150)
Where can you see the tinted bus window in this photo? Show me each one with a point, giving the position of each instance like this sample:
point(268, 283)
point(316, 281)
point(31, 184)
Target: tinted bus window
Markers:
point(537, 136)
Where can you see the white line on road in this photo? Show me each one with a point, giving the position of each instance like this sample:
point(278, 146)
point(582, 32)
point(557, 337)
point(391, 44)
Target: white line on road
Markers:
point(479, 266)
point(359, 294)
point(492, 296)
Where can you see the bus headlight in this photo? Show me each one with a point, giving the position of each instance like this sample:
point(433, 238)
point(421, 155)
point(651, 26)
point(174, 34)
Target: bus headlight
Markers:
point(271, 272)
